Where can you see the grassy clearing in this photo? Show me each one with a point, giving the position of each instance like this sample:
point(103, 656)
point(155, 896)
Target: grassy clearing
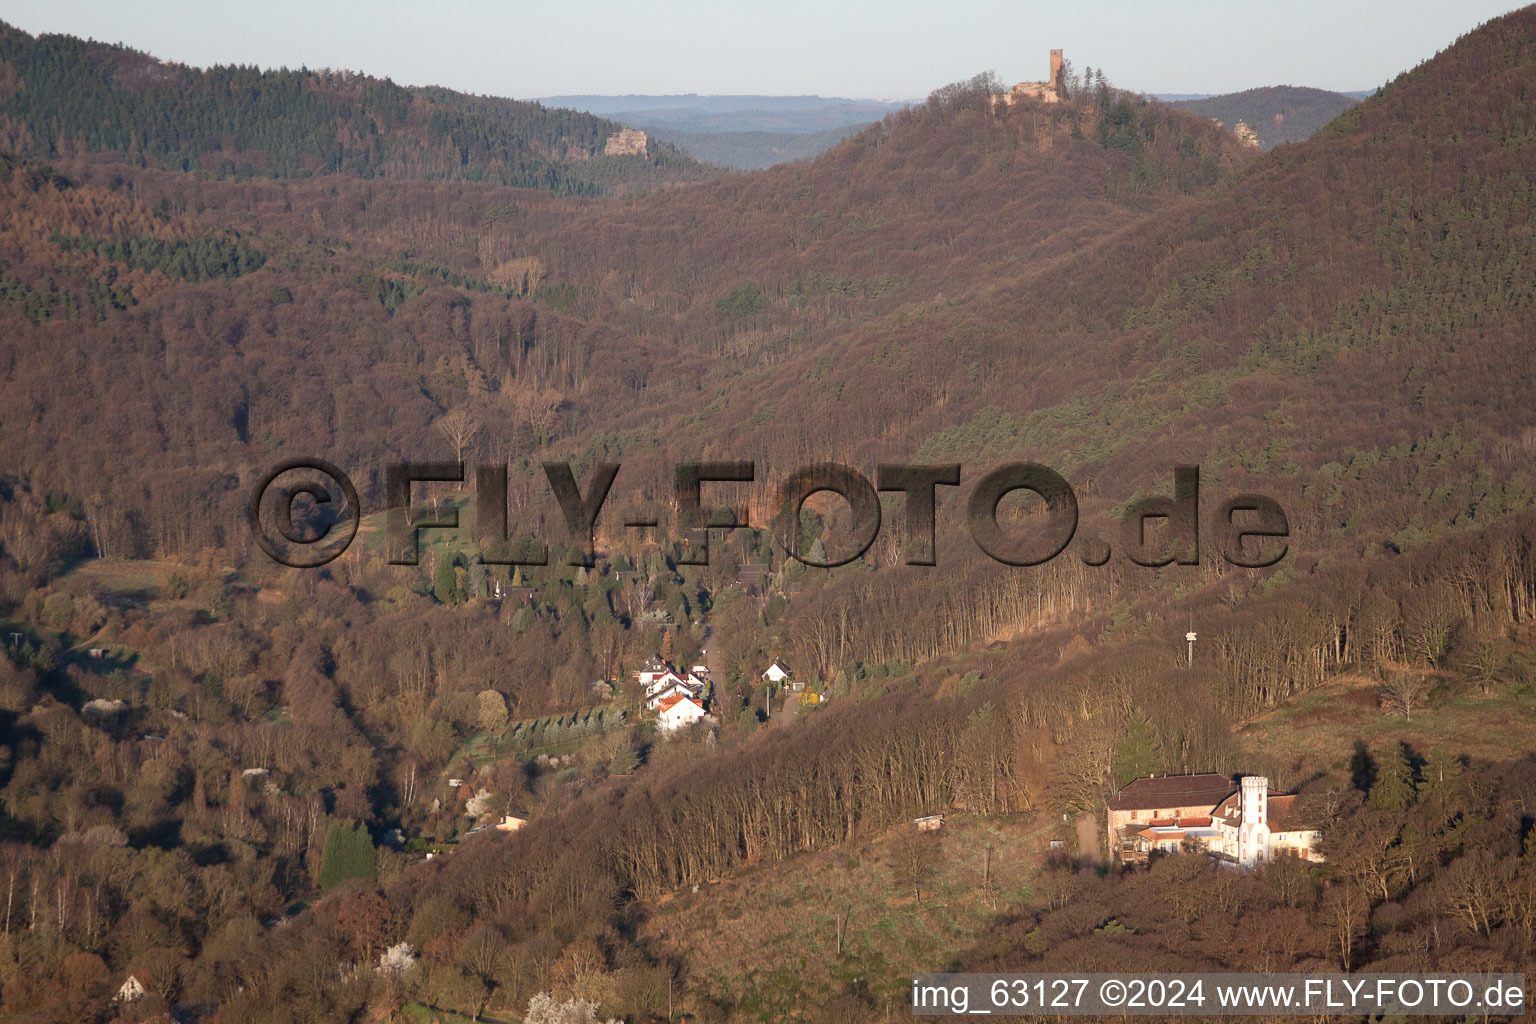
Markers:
point(766, 939)
point(1320, 728)
point(123, 576)
point(371, 530)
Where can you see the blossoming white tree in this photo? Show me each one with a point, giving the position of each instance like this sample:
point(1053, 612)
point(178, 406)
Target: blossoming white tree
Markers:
point(542, 1009)
point(397, 959)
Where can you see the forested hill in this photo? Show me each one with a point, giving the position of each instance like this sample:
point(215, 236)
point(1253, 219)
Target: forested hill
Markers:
point(593, 311)
point(65, 97)
point(1279, 113)
point(1321, 322)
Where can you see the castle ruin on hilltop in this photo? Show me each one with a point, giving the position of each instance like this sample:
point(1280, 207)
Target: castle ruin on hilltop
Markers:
point(1246, 134)
point(1048, 91)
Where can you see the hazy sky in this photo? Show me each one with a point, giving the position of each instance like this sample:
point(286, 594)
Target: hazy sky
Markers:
point(889, 49)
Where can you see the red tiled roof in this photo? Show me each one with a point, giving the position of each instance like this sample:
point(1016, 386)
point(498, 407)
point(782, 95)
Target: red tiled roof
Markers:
point(1153, 835)
point(671, 702)
point(1280, 809)
point(1181, 824)
point(1170, 791)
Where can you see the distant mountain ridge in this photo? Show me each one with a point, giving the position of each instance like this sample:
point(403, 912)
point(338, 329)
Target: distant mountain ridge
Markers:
point(1279, 113)
point(743, 132)
point(61, 96)
point(610, 105)
point(799, 122)
point(752, 150)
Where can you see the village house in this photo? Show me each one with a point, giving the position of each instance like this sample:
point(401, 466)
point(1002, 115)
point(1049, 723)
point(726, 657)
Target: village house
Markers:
point(776, 672)
point(678, 711)
point(132, 988)
point(1241, 824)
point(511, 822)
point(653, 668)
point(754, 578)
point(662, 680)
point(671, 684)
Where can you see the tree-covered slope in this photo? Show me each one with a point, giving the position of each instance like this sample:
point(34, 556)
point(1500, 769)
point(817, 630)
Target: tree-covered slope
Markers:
point(1339, 307)
point(400, 300)
point(65, 97)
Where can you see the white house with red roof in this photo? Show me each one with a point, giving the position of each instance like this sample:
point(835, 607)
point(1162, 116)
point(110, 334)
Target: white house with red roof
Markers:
point(677, 711)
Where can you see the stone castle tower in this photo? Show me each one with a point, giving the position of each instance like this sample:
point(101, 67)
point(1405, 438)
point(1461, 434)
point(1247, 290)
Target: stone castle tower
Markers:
point(1055, 80)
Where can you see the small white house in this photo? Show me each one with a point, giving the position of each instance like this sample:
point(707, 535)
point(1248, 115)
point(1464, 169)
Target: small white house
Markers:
point(678, 711)
point(651, 671)
point(132, 988)
point(776, 673)
point(511, 823)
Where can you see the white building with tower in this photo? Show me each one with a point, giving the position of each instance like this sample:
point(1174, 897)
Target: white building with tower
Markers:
point(1256, 826)
point(1253, 847)
point(1245, 824)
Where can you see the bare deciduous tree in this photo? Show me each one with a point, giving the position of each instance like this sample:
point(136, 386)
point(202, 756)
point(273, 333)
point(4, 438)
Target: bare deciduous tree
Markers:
point(1404, 691)
point(459, 426)
point(915, 859)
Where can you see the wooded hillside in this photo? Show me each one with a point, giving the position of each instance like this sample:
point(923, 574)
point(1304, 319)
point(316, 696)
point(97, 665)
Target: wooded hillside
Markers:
point(226, 776)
